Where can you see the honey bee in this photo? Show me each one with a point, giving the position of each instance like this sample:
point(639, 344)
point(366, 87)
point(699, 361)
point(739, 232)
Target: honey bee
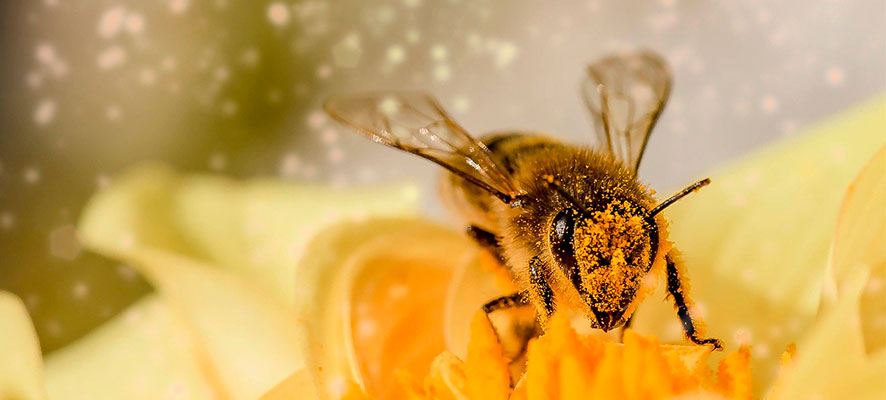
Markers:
point(573, 224)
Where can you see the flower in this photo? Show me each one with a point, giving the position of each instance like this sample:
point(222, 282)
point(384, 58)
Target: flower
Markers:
point(262, 290)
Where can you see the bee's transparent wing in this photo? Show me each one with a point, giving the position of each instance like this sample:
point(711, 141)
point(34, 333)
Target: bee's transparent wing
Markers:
point(415, 122)
point(625, 95)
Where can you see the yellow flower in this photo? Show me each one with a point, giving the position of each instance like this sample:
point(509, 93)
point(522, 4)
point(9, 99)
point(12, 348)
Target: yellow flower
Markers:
point(261, 289)
point(757, 248)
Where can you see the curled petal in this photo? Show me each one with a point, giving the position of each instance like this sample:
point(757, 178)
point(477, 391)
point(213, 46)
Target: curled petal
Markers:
point(21, 367)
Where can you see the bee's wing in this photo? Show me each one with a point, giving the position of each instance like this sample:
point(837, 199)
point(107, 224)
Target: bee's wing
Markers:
point(415, 122)
point(625, 95)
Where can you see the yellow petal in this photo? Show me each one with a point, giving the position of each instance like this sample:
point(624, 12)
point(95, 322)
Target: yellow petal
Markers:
point(756, 241)
point(146, 352)
point(833, 351)
point(472, 286)
point(257, 228)
point(370, 300)
point(296, 386)
point(250, 339)
point(840, 357)
point(21, 366)
point(486, 367)
point(860, 240)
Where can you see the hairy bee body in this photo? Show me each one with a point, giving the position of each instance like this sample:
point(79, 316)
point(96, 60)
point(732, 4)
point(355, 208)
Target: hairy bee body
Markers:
point(574, 226)
point(524, 232)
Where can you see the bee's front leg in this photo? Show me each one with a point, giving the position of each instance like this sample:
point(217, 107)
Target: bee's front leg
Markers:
point(679, 295)
point(488, 241)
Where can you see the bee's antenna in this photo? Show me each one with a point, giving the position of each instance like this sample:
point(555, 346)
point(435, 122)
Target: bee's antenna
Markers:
point(556, 185)
point(689, 189)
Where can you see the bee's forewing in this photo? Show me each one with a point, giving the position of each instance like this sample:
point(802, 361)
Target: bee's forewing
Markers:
point(625, 95)
point(416, 123)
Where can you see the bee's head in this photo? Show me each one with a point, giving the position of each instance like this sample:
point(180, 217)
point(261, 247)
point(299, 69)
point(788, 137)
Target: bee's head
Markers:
point(605, 255)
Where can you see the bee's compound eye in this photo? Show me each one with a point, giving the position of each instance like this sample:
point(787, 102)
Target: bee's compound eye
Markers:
point(562, 232)
point(564, 226)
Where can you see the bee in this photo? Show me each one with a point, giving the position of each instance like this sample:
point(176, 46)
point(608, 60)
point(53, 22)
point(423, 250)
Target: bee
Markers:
point(573, 224)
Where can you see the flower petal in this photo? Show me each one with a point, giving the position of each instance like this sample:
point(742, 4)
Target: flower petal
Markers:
point(370, 300)
point(830, 361)
point(257, 229)
point(21, 366)
point(146, 352)
point(249, 338)
point(861, 241)
point(756, 240)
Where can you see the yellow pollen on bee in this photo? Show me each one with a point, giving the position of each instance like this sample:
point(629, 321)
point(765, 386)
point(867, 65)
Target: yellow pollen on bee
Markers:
point(608, 247)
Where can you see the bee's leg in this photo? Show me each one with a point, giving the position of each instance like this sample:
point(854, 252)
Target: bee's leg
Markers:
point(514, 333)
point(512, 300)
point(675, 288)
point(539, 286)
point(488, 241)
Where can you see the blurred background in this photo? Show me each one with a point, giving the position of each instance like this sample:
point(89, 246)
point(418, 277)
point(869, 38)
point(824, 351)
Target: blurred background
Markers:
point(90, 87)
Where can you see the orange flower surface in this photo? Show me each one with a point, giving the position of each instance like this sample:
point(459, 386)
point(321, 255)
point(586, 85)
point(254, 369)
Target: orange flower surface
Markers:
point(565, 365)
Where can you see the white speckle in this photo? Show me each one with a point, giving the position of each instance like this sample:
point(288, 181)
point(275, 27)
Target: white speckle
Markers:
point(278, 14)
point(289, 165)
point(111, 21)
point(389, 106)
point(178, 6)
point(396, 54)
point(44, 113)
point(346, 53)
point(398, 292)
point(222, 73)
point(439, 52)
point(218, 161)
point(45, 53)
point(113, 113)
point(366, 328)
point(229, 108)
point(835, 77)
point(147, 76)
point(505, 54)
point(410, 193)
point(34, 80)
point(461, 104)
point(330, 136)
point(874, 286)
point(63, 242)
point(761, 350)
point(7, 220)
point(743, 336)
point(168, 64)
point(779, 37)
point(80, 290)
point(662, 21)
point(31, 175)
point(49, 58)
point(126, 272)
point(316, 119)
point(442, 73)
point(53, 327)
point(385, 15)
point(102, 180)
point(336, 155)
point(135, 23)
point(324, 71)
point(111, 57)
point(769, 104)
point(250, 57)
point(838, 154)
